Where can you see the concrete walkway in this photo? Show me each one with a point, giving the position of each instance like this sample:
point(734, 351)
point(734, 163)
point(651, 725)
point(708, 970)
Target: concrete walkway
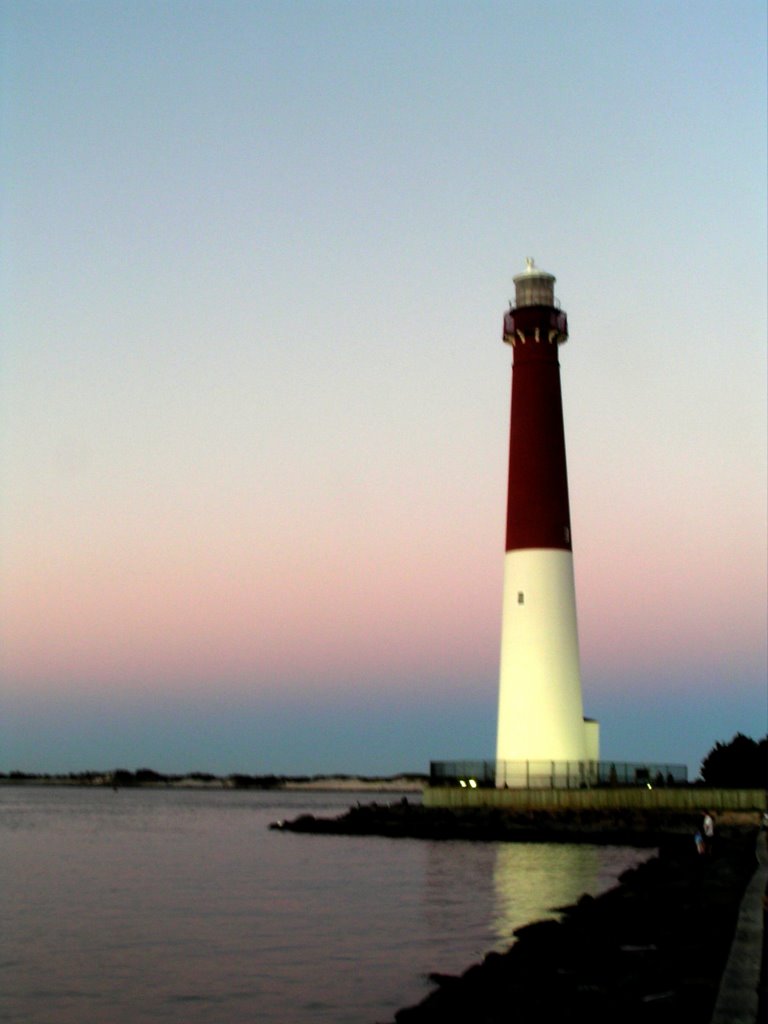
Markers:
point(742, 998)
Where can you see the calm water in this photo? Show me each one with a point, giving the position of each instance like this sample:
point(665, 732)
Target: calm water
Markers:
point(140, 907)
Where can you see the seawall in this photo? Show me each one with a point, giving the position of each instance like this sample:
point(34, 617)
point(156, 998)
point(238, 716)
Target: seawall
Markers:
point(684, 799)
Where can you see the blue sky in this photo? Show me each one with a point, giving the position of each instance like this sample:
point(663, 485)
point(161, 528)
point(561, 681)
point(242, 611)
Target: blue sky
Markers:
point(254, 399)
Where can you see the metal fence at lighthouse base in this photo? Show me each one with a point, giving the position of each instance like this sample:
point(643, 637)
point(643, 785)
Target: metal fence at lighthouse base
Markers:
point(555, 774)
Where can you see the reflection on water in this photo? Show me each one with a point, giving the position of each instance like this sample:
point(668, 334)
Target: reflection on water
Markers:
point(531, 880)
point(534, 880)
point(495, 888)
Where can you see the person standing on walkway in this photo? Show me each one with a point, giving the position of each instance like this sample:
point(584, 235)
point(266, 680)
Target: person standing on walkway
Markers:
point(708, 830)
point(698, 839)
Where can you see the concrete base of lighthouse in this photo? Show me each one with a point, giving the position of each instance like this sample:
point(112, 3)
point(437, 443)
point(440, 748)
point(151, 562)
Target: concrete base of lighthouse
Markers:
point(541, 717)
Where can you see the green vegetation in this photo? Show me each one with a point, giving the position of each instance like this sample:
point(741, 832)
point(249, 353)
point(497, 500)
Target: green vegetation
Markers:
point(740, 764)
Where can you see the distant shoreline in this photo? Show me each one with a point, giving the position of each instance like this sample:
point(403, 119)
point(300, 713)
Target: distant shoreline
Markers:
point(148, 779)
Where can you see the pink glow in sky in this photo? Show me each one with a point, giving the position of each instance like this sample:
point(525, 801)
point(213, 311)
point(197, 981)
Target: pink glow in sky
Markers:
point(255, 402)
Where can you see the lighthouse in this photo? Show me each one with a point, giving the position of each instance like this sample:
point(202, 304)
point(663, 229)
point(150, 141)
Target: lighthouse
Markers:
point(541, 727)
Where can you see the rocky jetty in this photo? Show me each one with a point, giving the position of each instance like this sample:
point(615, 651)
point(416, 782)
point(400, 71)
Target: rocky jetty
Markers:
point(651, 950)
point(633, 827)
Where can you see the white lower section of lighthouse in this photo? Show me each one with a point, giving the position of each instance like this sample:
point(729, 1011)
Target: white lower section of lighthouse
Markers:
point(541, 716)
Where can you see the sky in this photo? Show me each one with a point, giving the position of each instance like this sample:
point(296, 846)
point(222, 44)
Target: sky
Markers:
point(254, 402)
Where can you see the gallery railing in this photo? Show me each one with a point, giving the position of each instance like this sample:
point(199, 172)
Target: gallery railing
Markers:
point(555, 774)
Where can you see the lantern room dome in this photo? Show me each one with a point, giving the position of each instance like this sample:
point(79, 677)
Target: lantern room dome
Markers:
point(534, 287)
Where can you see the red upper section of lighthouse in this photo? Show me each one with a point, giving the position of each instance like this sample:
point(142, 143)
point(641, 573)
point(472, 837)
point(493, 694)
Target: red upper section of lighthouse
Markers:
point(538, 514)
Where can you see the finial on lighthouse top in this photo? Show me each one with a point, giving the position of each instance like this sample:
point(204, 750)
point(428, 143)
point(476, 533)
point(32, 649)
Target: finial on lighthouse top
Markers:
point(534, 287)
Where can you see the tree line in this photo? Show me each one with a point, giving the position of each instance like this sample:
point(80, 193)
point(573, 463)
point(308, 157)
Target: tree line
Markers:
point(740, 764)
